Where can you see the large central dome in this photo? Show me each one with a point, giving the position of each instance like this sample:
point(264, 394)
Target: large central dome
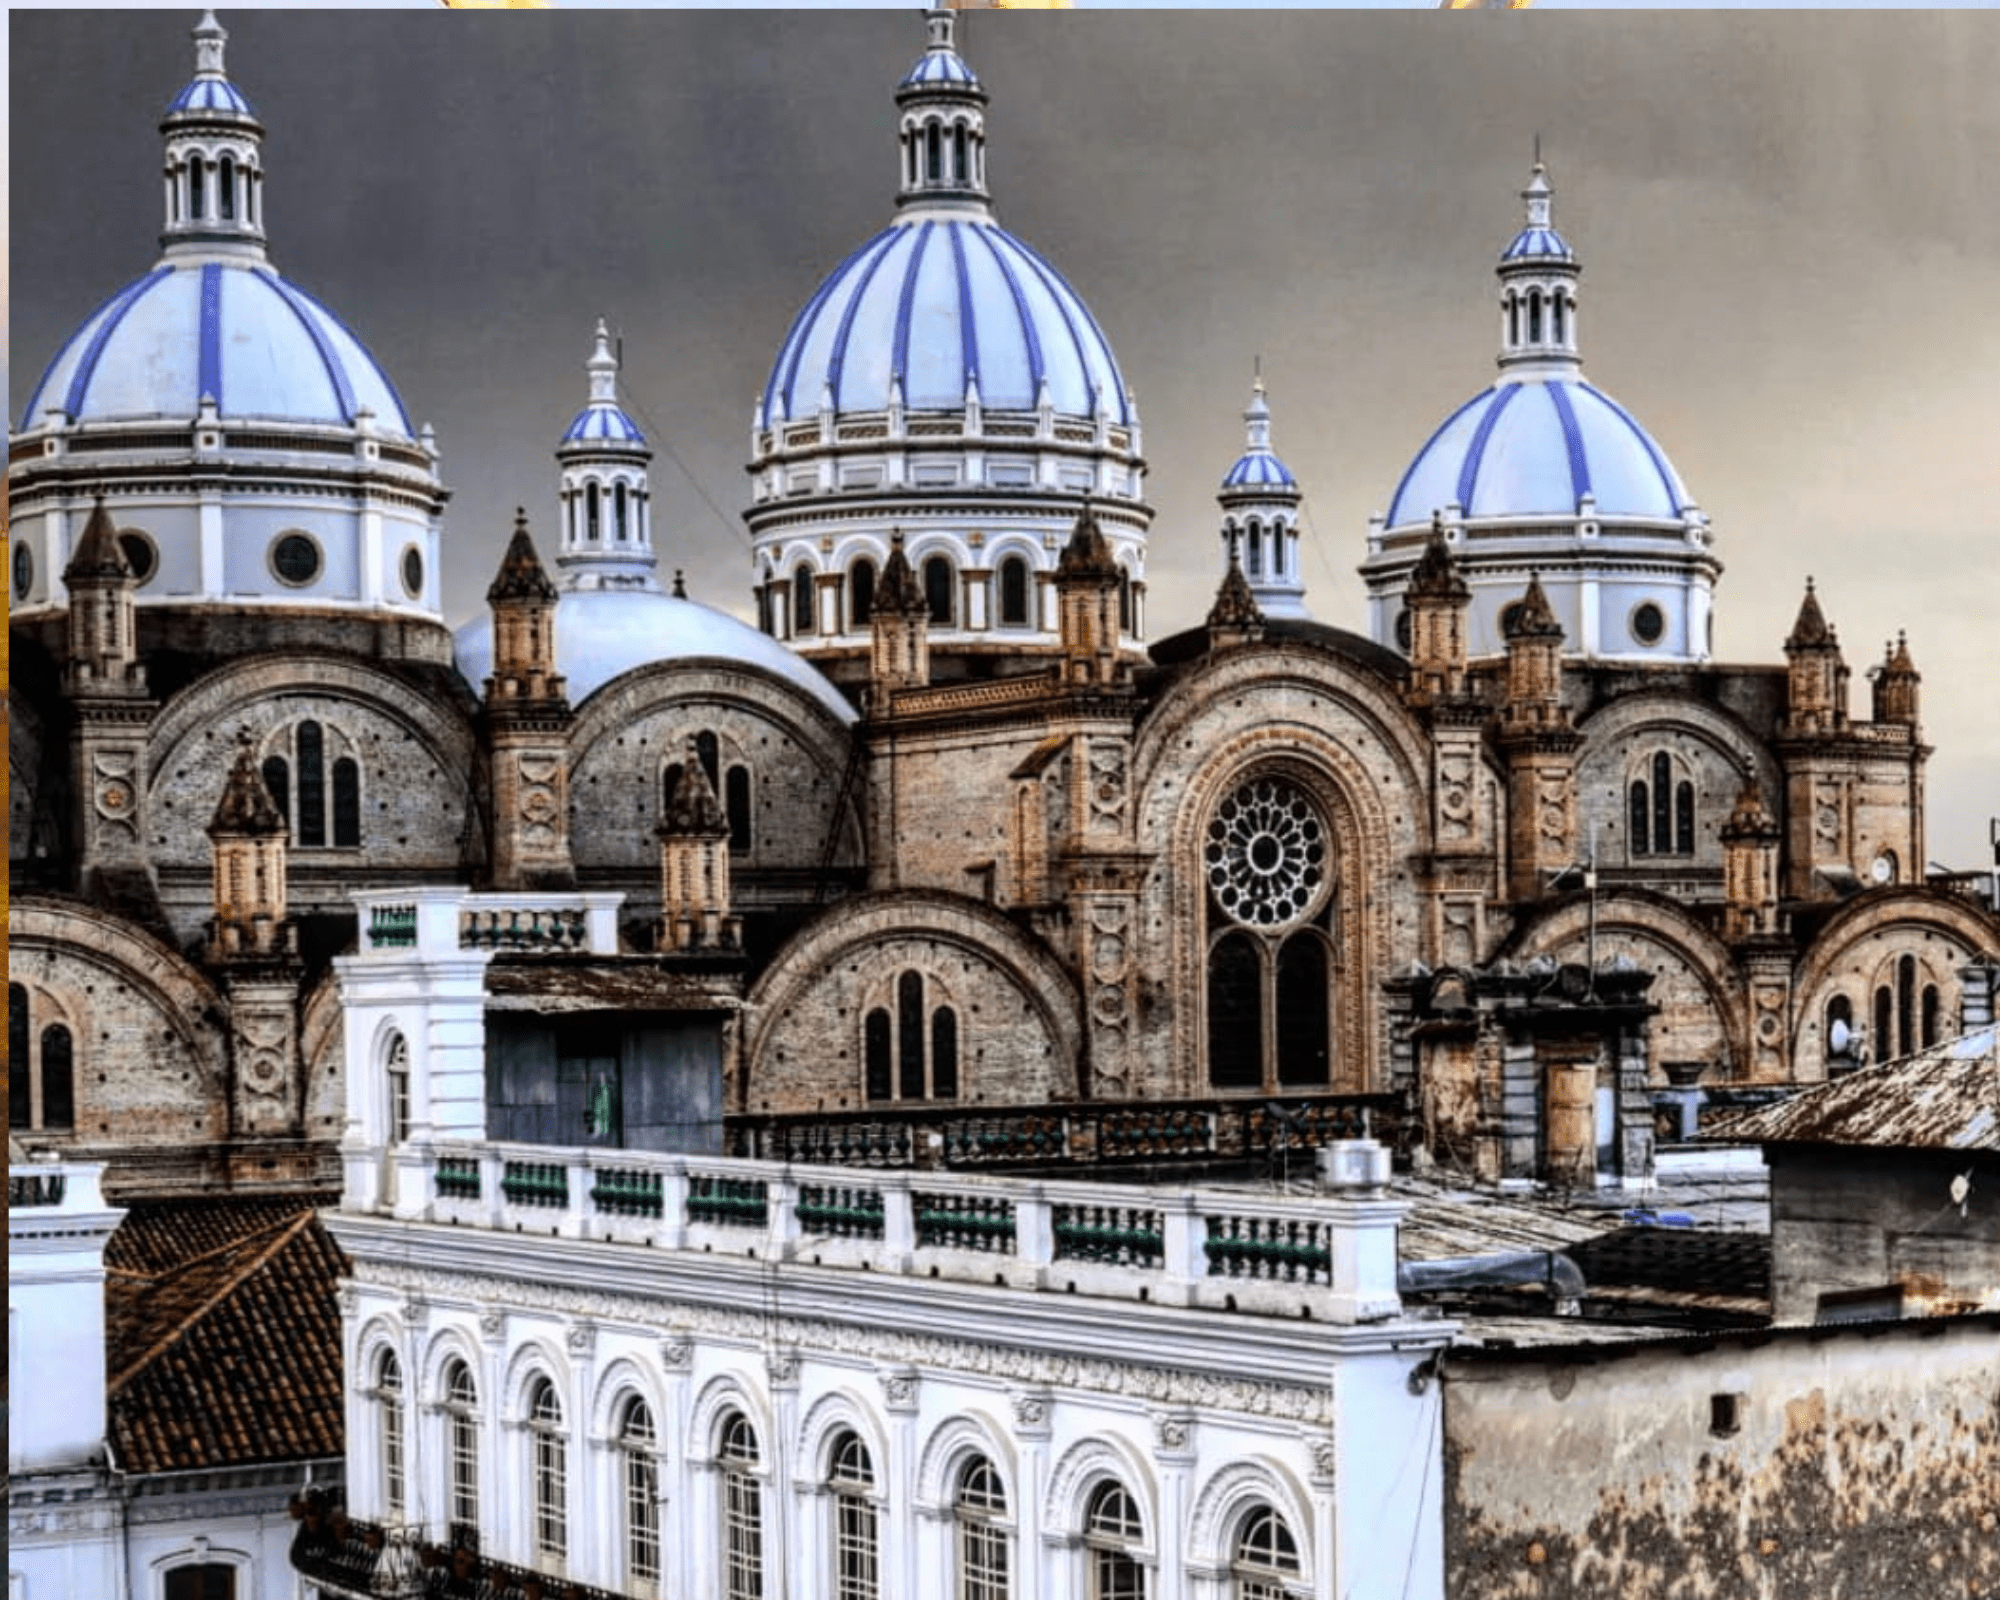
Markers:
point(944, 383)
point(935, 304)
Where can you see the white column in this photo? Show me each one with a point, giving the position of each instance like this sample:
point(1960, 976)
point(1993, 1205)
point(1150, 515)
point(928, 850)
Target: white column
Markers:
point(214, 579)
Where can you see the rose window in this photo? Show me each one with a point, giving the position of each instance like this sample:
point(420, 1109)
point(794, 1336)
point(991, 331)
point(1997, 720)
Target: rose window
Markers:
point(1266, 853)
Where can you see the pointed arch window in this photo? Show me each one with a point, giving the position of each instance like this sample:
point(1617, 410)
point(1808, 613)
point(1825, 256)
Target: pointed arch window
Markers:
point(982, 1540)
point(742, 1510)
point(857, 1573)
point(640, 1472)
point(1264, 1561)
point(548, 1471)
point(939, 582)
point(1014, 592)
point(461, 1414)
point(861, 593)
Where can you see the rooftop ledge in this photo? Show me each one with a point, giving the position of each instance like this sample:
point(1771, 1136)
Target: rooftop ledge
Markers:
point(425, 923)
point(1332, 1257)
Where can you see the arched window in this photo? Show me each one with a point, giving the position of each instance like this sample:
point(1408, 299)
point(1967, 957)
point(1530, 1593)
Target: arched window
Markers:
point(1683, 818)
point(1906, 1006)
point(1663, 800)
point(1556, 304)
point(1660, 811)
point(861, 593)
point(742, 1510)
point(802, 600)
point(591, 509)
point(1839, 1036)
point(397, 1067)
point(618, 512)
point(1126, 621)
point(980, 1535)
point(461, 1413)
point(225, 188)
point(961, 169)
point(1640, 823)
point(1235, 1013)
point(389, 1407)
point(20, 1089)
point(1534, 316)
point(197, 191)
point(856, 1554)
point(1111, 1532)
point(736, 805)
point(1930, 1030)
point(1305, 1035)
point(58, 1078)
point(1253, 550)
point(310, 742)
point(939, 582)
point(708, 751)
point(912, 1055)
point(548, 1471)
point(933, 153)
point(1264, 1562)
point(346, 803)
point(201, 1580)
point(641, 1474)
point(1014, 593)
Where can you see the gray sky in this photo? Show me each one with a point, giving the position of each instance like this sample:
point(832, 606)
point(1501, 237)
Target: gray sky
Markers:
point(1790, 227)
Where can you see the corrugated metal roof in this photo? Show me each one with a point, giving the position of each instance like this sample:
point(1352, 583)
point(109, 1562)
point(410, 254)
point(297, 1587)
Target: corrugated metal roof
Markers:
point(1943, 1098)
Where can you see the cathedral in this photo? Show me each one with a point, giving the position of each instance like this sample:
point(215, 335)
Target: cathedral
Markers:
point(957, 834)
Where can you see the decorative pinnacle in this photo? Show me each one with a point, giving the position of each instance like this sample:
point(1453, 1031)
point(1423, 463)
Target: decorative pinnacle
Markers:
point(603, 366)
point(246, 807)
point(209, 39)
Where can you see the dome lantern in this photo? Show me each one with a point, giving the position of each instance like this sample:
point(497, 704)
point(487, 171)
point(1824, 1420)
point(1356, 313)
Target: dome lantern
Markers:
point(943, 130)
point(214, 176)
point(1260, 516)
point(607, 531)
point(1538, 273)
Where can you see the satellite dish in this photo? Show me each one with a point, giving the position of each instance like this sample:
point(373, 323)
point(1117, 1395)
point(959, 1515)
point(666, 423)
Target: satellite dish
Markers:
point(1840, 1036)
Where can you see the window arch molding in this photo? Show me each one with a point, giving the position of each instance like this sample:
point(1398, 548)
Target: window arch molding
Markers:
point(1227, 1498)
point(945, 1452)
point(1089, 1466)
point(241, 1564)
point(842, 1411)
point(721, 1395)
point(617, 1383)
point(381, 1339)
point(532, 1360)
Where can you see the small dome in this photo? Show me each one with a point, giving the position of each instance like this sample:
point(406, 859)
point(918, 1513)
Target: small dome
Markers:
point(1538, 244)
point(1259, 469)
point(1536, 448)
point(208, 93)
point(231, 330)
point(601, 423)
point(935, 67)
point(934, 302)
point(604, 633)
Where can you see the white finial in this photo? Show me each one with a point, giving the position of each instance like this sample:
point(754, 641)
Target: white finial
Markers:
point(1538, 191)
point(209, 38)
point(940, 21)
point(602, 366)
point(1257, 415)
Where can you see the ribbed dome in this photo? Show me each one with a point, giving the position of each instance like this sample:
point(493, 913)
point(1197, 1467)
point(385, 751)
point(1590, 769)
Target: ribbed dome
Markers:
point(933, 301)
point(208, 93)
point(603, 633)
point(1258, 469)
point(231, 330)
point(1536, 448)
point(1538, 244)
point(603, 423)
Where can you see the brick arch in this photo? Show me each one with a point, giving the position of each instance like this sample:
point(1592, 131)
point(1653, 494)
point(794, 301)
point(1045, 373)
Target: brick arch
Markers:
point(168, 1023)
point(626, 734)
point(1561, 930)
point(422, 769)
point(812, 993)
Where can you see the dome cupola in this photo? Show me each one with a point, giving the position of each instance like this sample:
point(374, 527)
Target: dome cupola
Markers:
point(1260, 516)
point(1543, 470)
point(607, 528)
point(944, 379)
point(253, 454)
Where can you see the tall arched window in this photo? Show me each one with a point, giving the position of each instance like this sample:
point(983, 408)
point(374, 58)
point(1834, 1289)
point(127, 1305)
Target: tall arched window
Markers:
point(1253, 550)
point(346, 803)
point(225, 188)
point(640, 1470)
point(1264, 1562)
point(980, 1535)
point(1556, 304)
point(913, 1053)
point(1906, 1006)
point(277, 772)
point(548, 1471)
point(708, 751)
point(197, 190)
point(1014, 593)
point(1660, 811)
point(618, 512)
point(802, 600)
point(1930, 1015)
point(1127, 621)
point(939, 583)
point(58, 1078)
point(20, 1090)
point(591, 511)
point(742, 1510)
point(461, 1447)
point(1112, 1532)
point(389, 1408)
point(933, 153)
point(856, 1557)
point(397, 1069)
point(736, 806)
point(961, 169)
point(1235, 1013)
point(310, 742)
point(1534, 316)
point(1305, 1038)
point(861, 593)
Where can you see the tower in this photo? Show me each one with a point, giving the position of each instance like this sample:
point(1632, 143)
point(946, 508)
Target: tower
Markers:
point(1540, 748)
point(1260, 516)
point(1437, 602)
point(607, 517)
point(899, 629)
point(694, 862)
point(527, 723)
point(1087, 603)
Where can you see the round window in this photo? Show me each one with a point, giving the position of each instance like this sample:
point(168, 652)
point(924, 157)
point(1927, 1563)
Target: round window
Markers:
point(413, 572)
point(1649, 623)
point(24, 571)
point(295, 559)
point(1403, 630)
point(1266, 853)
point(140, 555)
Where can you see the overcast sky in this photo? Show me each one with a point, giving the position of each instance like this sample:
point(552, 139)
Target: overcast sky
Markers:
point(1790, 227)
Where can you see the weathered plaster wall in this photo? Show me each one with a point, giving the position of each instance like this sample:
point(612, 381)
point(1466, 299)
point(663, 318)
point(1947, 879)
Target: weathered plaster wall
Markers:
point(1864, 1465)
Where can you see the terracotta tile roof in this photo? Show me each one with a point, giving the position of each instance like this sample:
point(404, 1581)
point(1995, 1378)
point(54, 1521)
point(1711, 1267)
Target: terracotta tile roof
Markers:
point(1943, 1098)
point(224, 1347)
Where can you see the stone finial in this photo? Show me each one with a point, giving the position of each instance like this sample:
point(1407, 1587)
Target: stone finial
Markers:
point(1235, 609)
point(692, 810)
point(1533, 618)
point(1087, 554)
point(246, 809)
point(521, 576)
point(898, 593)
point(98, 553)
point(1436, 573)
point(1811, 630)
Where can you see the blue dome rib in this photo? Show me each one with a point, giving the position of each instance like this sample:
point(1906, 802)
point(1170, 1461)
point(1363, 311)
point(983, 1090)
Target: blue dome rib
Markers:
point(1579, 466)
point(794, 345)
point(968, 326)
point(210, 382)
point(1468, 472)
point(1669, 479)
point(86, 368)
point(1038, 369)
point(1064, 299)
point(1409, 472)
point(899, 355)
point(336, 372)
point(836, 365)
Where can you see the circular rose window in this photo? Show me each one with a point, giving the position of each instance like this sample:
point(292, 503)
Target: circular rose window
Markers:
point(1266, 853)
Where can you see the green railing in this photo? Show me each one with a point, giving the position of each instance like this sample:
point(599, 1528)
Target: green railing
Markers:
point(1276, 1249)
point(965, 1222)
point(729, 1202)
point(1028, 1138)
point(1169, 1131)
point(535, 1183)
point(392, 928)
point(627, 1192)
point(1123, 1236)
point(840, 1212)
point(457, 1178)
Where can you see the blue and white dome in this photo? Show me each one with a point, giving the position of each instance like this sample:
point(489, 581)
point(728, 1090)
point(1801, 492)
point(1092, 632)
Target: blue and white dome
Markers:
point(602, 634)
point(229, 330)
point(206, 93)
point(1540, 448)
point(600, 423)
point(932, 303)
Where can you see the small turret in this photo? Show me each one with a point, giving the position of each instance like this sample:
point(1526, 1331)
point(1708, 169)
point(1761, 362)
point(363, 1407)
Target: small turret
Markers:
point(694, 862)
point(103, 628)
point(1438, 601)
point(1087, 604)
point(1540, 748)
point(1234, 618)
point(1750, 868)
point(1260, 516)
point(899, 628)
point(1816, 699)
point(1534, 661)
point(524, 618)
point(247, 839)
point(1896, 686)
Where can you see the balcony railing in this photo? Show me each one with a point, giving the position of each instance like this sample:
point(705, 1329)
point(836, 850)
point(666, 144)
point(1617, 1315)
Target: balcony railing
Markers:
point(1244, 1247)
point(356, 1560)
point(36, 1187)
point(431, 923)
